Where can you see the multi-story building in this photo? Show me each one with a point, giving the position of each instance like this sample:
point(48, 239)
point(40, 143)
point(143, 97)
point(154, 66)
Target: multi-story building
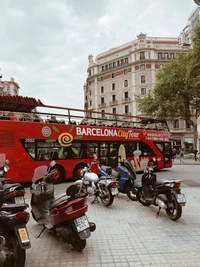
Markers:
point(9, 87)
point(117, 75)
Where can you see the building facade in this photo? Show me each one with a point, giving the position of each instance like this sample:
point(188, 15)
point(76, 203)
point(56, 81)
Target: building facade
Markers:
point(9, 87)
point(116, 76)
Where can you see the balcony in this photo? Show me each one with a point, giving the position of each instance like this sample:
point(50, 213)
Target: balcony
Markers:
point(101, 105)
point(142, 57)
point(114, 102)
point(126, 99)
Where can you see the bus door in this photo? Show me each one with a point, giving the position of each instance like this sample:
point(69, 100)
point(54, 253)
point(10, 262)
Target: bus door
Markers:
point(166, 150)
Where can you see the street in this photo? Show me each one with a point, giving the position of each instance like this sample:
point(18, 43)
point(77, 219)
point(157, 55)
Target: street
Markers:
point(128, 234)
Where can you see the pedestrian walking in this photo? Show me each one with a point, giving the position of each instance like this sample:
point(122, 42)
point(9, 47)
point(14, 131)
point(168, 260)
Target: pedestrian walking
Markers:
point(174, 151)
point(181, 155)
point(195, 154)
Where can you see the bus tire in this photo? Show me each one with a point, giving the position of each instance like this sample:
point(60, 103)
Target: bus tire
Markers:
point(57, 179)
point(77, 169)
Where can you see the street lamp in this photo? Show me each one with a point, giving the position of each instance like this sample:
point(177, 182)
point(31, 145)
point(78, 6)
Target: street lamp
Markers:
point(197, 2)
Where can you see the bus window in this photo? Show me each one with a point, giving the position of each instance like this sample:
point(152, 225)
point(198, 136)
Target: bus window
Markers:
point(104, 153)
point(145, 150)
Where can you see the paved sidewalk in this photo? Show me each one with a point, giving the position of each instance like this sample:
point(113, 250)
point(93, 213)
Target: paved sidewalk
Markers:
point(127, 235)
point(186, 161)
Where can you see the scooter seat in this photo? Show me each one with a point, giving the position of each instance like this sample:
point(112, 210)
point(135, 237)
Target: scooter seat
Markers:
point(13, 207)
point(59, 199)
point(7, 186)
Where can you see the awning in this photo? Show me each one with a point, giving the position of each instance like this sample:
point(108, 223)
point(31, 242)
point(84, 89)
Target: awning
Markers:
point(19, 103)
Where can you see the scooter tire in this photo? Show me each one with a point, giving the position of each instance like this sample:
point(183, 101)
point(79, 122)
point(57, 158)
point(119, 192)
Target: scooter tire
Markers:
point(131, 193)
point(174, 210)
point(141, 198)
point(107, 201)
point(77, 243)
point(34, 218)
point(12, 246)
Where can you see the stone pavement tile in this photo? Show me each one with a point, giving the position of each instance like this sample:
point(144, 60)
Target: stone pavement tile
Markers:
point(127, 235)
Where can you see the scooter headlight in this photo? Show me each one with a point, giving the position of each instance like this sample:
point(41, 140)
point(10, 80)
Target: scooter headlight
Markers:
point(6, 168)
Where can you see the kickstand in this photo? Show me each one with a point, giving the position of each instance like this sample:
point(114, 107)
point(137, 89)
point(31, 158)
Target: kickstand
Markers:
point(37, 236)
point(95, 199)
point(157, 214)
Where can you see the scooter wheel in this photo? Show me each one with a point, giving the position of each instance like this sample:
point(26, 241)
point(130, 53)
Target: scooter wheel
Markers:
point(141, 198)
point(77, 243)
point(13, 250)
point(174, 210)
point(131, 193)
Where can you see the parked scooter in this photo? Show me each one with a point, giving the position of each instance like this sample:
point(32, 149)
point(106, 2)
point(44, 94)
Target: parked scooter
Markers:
point(13, 193)
point(93, 185)
point(14, 239)
point(164, 194)
point(65, 214)
point(125, 177)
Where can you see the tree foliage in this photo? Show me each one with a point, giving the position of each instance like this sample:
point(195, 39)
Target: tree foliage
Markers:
point(177, 89)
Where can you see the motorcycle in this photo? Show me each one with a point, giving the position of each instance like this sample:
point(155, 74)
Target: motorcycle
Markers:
point(64, 215)
point(165, 194)
point(91, 184)
point(125, 177)
point(14, 238)
point(13, 193)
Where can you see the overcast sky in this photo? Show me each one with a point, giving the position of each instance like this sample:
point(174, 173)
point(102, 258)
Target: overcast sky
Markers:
point(44, 44)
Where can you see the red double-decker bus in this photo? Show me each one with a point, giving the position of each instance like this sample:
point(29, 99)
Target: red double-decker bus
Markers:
point(33, 134)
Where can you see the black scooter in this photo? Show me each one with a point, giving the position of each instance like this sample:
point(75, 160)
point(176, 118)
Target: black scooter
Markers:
point(14, 192)
point(14, 237)
point(165, 194)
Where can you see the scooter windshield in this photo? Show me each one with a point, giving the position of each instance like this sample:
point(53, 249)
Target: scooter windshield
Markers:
point(39, 173)
point(128, 165)
point(2, 159)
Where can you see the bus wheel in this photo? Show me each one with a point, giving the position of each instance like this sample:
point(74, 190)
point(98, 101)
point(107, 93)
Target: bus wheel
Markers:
point(60, 176)
point(77, 170)
point(154, 164)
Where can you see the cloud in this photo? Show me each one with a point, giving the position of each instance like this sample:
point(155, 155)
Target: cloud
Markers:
point(45, 45)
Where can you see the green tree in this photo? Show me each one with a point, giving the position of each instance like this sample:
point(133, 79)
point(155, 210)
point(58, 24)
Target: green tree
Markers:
point(177, 89)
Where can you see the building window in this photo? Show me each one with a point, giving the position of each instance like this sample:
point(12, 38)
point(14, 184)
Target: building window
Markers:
point(102, 69)
point(90, 92)
point(90, 102)
point(159, 55)
point(102, 100)
point(113, 86)
point(142, 67)
point(125, 83)
point(114, 64)
point(126, 95)
point(125, 71)
point(103, 113)
point(106, 67)
point(89, 82)
point(122, 61)
point(114, 111)
point(161, 66)
point(118, 63)
point(176, 123)
point(172, 55)
point(143, 79)
point(143, 91)
point(126, 108)
point(166, 55)
point(113, 75)
point(90, 73)
point(110, 65)
point(113, 98)
point(188, 126)
point(126, 60)
point(102, 79)
point(102, 89)
point(142, 55)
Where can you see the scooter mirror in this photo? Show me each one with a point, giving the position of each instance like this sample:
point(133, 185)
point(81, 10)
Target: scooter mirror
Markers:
point(6, 168)
point(53, 163)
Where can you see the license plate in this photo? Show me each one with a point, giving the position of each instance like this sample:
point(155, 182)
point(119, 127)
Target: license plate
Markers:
point(181, 198)
point(81, 223)
point(19, 200)
point(114, 191)
point(23, 235)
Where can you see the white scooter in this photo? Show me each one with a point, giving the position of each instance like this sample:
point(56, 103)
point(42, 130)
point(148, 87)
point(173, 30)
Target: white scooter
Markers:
point(93, 185)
